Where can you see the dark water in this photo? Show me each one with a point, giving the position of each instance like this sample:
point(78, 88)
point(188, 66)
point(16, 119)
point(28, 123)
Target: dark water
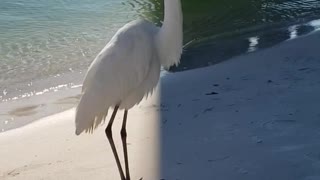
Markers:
point(220, 29)
point(216, 17)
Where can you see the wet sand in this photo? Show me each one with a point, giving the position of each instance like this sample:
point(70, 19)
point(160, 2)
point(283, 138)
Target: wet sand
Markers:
point(30, 101)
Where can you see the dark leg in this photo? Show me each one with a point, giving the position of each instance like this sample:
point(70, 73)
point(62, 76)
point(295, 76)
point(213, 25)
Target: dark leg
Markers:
point(113, 147)
point(124, 143)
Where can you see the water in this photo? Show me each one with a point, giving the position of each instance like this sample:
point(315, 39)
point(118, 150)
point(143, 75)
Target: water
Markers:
point(219, 30)
point(46, 46)
point(41, 38)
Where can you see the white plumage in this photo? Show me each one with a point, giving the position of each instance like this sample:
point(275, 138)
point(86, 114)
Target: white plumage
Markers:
point(128, 67)
point(126, 70)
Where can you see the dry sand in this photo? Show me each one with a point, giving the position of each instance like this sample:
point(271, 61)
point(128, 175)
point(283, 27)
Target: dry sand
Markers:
point(49, 149)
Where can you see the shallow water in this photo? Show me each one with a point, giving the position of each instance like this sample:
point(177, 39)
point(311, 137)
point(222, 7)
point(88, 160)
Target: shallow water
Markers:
point(44, 38)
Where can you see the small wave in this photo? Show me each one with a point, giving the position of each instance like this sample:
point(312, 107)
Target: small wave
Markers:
point(41, 92)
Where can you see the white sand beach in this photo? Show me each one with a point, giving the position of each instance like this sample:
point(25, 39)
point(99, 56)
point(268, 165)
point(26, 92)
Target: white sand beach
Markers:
point(254, 117)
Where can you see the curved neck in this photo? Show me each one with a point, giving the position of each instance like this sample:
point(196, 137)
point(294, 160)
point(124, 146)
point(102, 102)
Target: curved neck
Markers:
point(170, 36)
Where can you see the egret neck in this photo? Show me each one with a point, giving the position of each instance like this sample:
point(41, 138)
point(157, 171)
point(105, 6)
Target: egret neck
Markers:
point(170, 36)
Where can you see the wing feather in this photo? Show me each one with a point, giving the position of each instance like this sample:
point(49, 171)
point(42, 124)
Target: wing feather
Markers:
point(119, 68)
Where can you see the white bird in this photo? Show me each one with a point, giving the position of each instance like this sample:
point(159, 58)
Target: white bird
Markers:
point(128, 69)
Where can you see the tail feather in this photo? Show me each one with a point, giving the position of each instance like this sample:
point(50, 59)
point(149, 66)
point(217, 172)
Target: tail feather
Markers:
point(90, 113)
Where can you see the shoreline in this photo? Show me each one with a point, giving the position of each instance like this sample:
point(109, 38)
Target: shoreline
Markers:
point(41, 99)
point(253, 117)
point(22, 103)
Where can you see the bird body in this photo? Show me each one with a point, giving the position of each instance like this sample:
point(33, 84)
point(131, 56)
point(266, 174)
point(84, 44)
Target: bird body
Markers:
point(128, 67)
point(126, 70)
point(121, 74)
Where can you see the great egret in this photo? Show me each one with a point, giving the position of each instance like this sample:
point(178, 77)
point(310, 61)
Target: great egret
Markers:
point(126, 70)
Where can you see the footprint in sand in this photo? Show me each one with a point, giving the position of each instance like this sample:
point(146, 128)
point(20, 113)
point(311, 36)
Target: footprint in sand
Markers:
point(69, 100)
point(24, 111)
point(18, 171)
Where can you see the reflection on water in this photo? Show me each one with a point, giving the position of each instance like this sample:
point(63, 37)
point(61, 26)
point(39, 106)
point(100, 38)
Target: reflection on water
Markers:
point(253, 42)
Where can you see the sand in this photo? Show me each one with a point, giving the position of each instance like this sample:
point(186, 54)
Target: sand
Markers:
point(48, 149)
point(253, 117)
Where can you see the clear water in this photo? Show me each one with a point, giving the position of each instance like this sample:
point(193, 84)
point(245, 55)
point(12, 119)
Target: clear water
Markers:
point(40, 38)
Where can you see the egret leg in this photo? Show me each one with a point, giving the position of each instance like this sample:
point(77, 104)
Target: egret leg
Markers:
point(108, 132)
point(124, 143)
